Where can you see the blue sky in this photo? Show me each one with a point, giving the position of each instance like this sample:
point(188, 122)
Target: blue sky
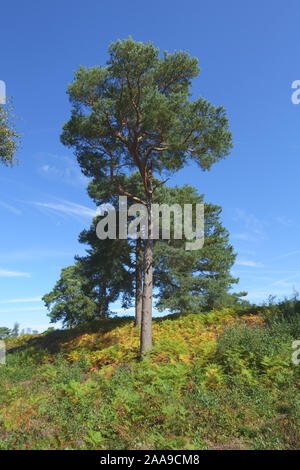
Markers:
point(248, 55)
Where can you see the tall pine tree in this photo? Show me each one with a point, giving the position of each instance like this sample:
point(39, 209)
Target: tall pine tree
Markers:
point(136, 113)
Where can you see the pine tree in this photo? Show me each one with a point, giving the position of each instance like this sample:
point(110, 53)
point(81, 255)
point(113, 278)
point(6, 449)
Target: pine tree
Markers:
point(108, 269)
point(193, 281)
point(136, 113)
point(4, 332)
point(68, 301)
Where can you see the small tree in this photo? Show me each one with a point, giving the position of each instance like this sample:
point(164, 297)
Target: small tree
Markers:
point(4, 332)
point(16, 330)
point(107, 269)
point(136, 113)
point(9, 137)
point(68, 302)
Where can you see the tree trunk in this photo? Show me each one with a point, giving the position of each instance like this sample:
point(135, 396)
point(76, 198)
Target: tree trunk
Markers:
point(102, 311)
point(138, 284)
point(146, 330)
point(103, 304)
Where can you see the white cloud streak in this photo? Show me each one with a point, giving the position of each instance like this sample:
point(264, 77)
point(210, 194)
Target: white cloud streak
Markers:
point(10, 208)
point(5, 273)
point(244, 236)
point(25, 309)
point(21, 301)
point(34, 255)
point(249, 263)
point(67, 208)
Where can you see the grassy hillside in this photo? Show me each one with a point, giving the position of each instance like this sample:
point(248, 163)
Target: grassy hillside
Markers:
point(221, 380)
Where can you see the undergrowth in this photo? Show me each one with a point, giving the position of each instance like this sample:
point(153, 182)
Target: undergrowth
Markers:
point(221, 380)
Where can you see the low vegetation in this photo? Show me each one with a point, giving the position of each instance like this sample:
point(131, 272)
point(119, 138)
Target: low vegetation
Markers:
point(219, 380)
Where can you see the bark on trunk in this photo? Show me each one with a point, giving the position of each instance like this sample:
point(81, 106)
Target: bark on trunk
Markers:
point(103, 305)
point(146, 330)
point(102, 312)
point(138, 284)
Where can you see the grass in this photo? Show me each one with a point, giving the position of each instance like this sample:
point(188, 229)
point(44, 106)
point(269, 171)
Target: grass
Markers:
point(220, 380)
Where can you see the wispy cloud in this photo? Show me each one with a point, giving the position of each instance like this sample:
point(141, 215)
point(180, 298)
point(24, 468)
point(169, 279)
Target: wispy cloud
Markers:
point(249, 263)
point(61, 167)
point(21, 301)
point(67, 208)
point(285, 282)
point(280, 287)
point(34, 255)
point(259, 295)
point(245, 236)
point(11, 208)
point(284, 221)
point(247, 252)
point(255, 228)
point(286, 255)
point(5, 273)
point(250, 220)
point(25, 309)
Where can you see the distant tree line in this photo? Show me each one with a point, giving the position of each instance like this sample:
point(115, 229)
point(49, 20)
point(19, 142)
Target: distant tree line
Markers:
point(15, 332)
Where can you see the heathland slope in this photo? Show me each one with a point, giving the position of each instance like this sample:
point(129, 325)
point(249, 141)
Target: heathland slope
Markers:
point(220, 380)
